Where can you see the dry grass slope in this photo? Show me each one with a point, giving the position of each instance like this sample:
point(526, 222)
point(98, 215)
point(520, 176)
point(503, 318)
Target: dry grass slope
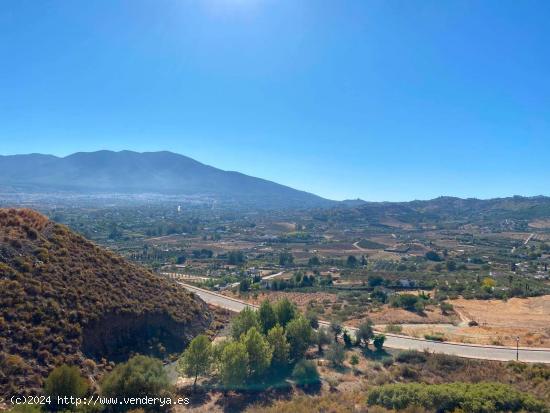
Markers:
point(65, 300)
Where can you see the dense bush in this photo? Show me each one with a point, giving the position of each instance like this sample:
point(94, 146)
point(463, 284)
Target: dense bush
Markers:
point(139, 377)
point(394, 329)
point(409, 302)
point(411, 356)
point(64, 381)
point(379, 341)
point(434, 337)
point(469, 397)
point(305, 373)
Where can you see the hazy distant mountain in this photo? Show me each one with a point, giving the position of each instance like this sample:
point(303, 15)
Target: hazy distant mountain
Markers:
point(508, 212)
point(150, 172)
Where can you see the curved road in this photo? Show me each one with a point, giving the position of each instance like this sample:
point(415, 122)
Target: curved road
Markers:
point(526, 354)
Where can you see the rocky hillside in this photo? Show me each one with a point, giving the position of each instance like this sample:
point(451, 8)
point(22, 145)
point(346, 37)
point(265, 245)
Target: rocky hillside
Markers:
point(65, 300)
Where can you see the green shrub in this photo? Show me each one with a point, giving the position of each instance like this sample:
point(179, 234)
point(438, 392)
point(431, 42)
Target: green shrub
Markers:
point(378, 341)
point(409, 302)
point(411, 356)
point(305, 373)
point(446, 308)
point(481, 397)
point(140, 376)
point(64, 381)
point(434, 337)
point(336, 354)
point(394, 329)
point(243, 322)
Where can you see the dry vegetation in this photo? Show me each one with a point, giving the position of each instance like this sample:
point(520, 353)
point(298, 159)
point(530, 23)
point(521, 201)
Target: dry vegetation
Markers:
point(346, 389)
point(501, 321)
point(57, 287)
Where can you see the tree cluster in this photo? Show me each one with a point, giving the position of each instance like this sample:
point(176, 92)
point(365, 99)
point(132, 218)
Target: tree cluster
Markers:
point(264, 344)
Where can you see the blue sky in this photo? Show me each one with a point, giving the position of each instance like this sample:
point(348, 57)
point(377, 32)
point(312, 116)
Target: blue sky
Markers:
point(383, 100)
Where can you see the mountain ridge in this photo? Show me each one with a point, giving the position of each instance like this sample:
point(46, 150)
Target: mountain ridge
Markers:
point(132, 172)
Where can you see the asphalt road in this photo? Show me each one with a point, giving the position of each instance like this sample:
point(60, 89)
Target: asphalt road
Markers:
point(526, 354)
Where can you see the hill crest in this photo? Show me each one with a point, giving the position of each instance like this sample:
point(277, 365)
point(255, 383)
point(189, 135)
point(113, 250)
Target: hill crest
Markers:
point(66, 300)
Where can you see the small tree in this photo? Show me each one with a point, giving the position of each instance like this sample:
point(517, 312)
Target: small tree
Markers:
point(406, 301)
point(305, 373)
point(285, 311)
point(354, 361)
point(347, 339)
point(236, 258)
point(311, 315)
point(336, 354)
point(351, 261)
point(488, 284)
point(244, 321)
point(375, 281)
point(451, 265)
point(286, 259)
point(244, 285)
point(419, 306)
point(322, 337)
point(281, 349)
point(433, 256)
point(446, 307)
point(234, 365)
point(378, 341)
point(267, 316)
point(299, 335)
point(64, 381)
point(336, 329)
point(364, 332)
point(259, 352)
point(314, 261)
point(196, 359)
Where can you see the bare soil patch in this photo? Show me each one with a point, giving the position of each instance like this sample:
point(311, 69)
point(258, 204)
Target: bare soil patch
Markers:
point(540, 223)
point(533, 312)
point(500, 322)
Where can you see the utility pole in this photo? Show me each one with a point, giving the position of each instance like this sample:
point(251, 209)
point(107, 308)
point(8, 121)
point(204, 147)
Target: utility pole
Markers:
point(517, 348)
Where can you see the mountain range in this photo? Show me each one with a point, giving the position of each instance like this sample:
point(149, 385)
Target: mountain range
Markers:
point(128, 172)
